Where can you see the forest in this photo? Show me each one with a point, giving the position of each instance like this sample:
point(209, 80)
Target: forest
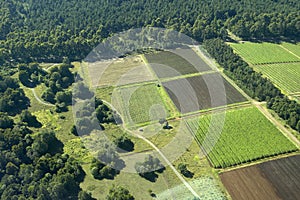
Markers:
point(44, 30)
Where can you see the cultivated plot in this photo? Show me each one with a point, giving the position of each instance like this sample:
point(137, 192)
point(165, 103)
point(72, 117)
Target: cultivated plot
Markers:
point(278, 179)
point(119, 72)
point(176, 63)
point(294, 48)
point(246, 135)
point(263, 53)
point(140, 104)
point(285, 76)
point(202, 92)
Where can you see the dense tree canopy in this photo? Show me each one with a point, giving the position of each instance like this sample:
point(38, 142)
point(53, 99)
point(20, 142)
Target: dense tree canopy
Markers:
point(49, 30)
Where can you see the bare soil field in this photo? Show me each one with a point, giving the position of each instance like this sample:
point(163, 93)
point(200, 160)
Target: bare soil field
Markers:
point(202, 92)
point(278, 179)
point(176, 62)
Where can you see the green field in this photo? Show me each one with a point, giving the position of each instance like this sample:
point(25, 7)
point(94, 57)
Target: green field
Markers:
point(285, 76)
point(246, 136)
point(140, 104)
point(263, 53)
point(294, 48)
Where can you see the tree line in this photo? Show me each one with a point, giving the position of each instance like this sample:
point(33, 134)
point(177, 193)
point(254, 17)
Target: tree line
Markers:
point(253, 83)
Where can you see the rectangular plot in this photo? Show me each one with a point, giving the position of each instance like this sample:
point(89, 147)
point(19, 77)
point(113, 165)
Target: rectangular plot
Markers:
point(246, 135)
point(202, 92)
point(278, 179)
point(139, 104)
point(285, 76)
point(119, 72)
point(176, 63)
point(263, 53)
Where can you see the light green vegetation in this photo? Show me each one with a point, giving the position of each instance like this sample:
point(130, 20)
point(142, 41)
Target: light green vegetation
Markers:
point(263, 53)
point(207, 187)
point(285, 76)
point(294, 48)
point(119, 72)
point(104, 93)
point(246, 136)
point(140, 104)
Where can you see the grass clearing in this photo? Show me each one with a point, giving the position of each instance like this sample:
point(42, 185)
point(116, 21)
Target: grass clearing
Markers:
point(246, 136)
point(285, 76)
point(263, 53)
point(119, 72)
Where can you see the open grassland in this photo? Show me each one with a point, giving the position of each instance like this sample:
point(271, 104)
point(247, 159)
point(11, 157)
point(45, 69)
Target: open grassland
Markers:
point(140, 104)
point(278, 179)
point(263, 53)
point(119, 72)
point(294, 48)
point(167, 186)
point(285, 76)
point(170, 64)
point(245, 136)
point(202, 92)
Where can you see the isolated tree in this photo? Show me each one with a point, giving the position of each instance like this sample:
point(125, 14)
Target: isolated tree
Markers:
point(119, 193)
point(29, 119)
point(124, 143)
point(48, 96)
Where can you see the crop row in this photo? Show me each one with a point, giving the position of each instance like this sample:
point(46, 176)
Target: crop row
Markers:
point(285, 76)
point(245, 136)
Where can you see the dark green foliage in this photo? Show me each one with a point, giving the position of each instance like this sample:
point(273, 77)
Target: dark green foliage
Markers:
point(49, 31)
point(101, 171)
point(253, 83)
point(120, 193)
point(13, 101)
point(48, 95)
point(29, 119)
point(124, 143)
point(31, 75)
point(35, 168)
point(74, 130)
point(184, 171)
point(6, 121)
point(83, 195)
point(58, 81)
point(149, 167)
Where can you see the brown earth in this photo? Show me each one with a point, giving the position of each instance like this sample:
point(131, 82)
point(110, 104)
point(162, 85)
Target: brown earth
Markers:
point(278, 179)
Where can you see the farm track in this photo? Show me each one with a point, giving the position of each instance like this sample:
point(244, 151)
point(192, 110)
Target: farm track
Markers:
point(259, 106)
point(289, 51)
point(136, 133)
point(284, 130)
point(39, 100)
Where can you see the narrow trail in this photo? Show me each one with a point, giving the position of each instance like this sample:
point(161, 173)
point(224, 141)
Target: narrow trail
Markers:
point(289, 51)
point(39, 100)
point(136, 133)
point(284, 130)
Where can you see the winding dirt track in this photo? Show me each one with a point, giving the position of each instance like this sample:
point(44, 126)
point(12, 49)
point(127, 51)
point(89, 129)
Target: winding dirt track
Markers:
point(136, 133)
